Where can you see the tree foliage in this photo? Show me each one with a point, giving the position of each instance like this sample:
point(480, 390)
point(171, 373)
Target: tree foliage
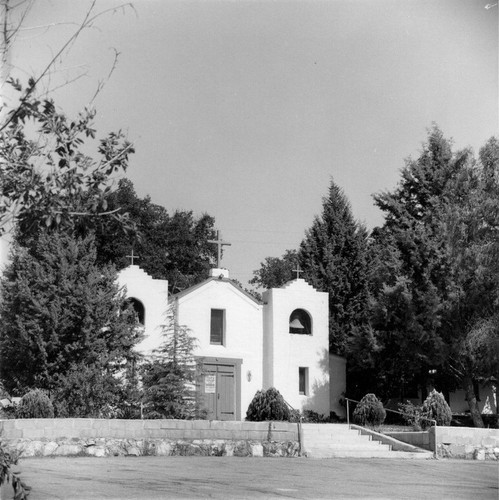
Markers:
point(8, 475)
point(63, 316)
point(275, 271)
point(333, 257)
point(169, 377)
point(436, 264)
point(46, 178)
point(173, 247)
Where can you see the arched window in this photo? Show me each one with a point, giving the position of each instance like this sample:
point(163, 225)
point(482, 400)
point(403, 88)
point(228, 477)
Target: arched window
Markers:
point(300, 322)
point(139, 309)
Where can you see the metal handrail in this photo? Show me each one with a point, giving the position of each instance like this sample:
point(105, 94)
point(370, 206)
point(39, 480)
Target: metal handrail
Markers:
point(435, 451)
point(300, 431)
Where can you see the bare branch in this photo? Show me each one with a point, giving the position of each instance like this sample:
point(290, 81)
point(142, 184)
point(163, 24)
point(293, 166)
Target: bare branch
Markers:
point(86, 23)
point(102, 83)
point(19, 24)
point(46, 26)
point(67, 82)
point(20, 3)
point(90, 214)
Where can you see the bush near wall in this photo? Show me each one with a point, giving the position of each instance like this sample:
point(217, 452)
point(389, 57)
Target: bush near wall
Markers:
point(369, 411)
point(268, 405)
point(35, 404)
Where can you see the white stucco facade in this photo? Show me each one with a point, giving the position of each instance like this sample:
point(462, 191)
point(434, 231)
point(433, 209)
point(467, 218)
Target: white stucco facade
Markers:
point(257, 348)
point(153, 295)
point(287, 352)
point(243, 332)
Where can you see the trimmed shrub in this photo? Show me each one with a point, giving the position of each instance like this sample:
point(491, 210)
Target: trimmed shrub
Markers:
point(369, 412)
point(435, 407)
point(35, 404)
point(268, 405)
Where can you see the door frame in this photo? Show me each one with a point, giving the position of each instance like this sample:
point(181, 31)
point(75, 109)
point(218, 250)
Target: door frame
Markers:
point(236, 363)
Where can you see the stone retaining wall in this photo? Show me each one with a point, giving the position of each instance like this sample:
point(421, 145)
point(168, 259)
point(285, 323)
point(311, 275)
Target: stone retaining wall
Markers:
point(102, 437)
point(466, 442)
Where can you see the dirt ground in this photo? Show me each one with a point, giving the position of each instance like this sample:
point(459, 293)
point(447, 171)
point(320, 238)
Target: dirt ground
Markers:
point(244, 478)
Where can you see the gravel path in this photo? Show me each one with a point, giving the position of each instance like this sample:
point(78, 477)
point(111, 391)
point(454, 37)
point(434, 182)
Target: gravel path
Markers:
point(245, 478)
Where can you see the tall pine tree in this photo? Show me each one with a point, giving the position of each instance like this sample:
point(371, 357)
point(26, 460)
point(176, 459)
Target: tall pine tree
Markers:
point(64, 328)
point(441, 222)
point(333, 257)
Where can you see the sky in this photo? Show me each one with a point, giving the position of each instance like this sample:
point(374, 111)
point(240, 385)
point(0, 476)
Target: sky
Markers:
point(246, 110)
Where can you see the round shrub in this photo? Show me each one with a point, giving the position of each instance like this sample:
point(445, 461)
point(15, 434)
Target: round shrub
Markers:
point(35, 404)
point(436, 408)
point(369, 412)
point(268, 405)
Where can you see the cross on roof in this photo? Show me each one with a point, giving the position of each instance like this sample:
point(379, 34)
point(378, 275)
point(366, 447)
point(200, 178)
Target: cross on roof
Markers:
point(132, 257)
point(297, 271)
point(220, 243)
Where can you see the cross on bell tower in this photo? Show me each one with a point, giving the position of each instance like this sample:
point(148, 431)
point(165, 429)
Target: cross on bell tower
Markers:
point(220, 243)
point(131, 257)
point(297, 271)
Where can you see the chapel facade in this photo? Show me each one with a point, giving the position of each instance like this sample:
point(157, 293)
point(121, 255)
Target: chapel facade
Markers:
point(244, 345)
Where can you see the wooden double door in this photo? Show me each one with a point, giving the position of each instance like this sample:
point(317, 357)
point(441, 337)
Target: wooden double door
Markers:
point(220, 390)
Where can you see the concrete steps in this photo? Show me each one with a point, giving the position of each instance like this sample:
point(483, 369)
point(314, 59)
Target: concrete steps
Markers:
point(340, 441)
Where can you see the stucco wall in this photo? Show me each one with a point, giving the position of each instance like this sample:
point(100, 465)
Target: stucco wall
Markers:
point(154, 296)
point(243, 330)
point(56, 428)
point(420, 438)
point(466, 442)
point(291, 351)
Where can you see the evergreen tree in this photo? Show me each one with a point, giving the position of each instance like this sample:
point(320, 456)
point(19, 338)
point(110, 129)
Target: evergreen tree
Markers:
point(441, 225)
point(62, 318)
point(169, 377)
point(333, 257)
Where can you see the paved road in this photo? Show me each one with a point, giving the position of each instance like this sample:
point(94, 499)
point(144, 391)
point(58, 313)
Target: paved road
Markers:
point(244, 478)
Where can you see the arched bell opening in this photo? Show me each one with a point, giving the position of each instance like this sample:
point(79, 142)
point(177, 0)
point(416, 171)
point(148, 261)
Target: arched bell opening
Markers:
point(140, 310)
point(300, 322)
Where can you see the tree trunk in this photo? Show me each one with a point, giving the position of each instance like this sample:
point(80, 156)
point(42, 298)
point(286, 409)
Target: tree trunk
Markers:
point(472, 402)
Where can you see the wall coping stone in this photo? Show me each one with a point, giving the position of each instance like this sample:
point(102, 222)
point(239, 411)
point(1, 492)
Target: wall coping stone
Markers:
point(55, 428)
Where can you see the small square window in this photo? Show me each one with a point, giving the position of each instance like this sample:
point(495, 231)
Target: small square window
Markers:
point(217, 327)
point(303, 380)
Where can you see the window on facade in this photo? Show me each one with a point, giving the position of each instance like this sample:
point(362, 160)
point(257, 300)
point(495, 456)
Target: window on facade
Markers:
point(140, 311)
point(217, 327)
point(303, 380)
point(300, 322)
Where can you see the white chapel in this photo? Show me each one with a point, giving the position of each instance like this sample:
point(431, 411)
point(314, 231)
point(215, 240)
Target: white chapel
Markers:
point(246, 345)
